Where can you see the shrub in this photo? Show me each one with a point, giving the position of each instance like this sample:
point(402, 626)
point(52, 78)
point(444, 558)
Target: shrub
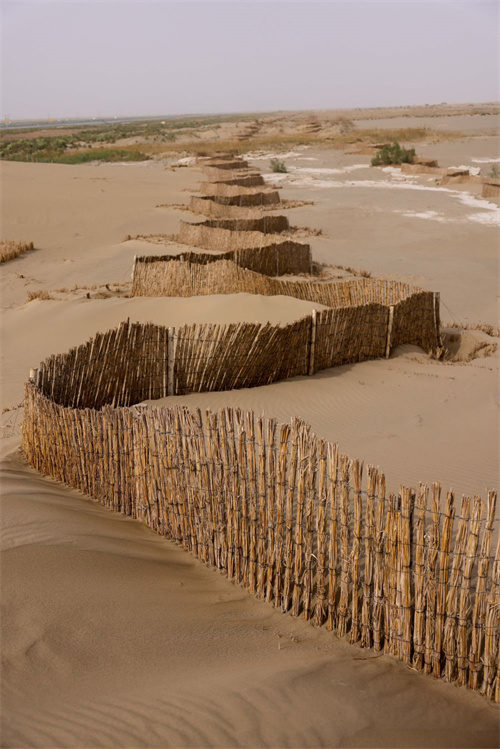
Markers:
point(278, 166)
point(494, 172)
point(393, 154)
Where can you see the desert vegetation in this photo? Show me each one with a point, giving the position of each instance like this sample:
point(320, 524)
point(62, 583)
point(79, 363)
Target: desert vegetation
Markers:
point(393, 154)
point(277, 165)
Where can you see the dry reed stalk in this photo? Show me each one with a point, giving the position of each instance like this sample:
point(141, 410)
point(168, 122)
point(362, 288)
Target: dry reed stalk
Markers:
point(320, 610)
point(343, 606)
point(244, 500)
point(298, 558)
point(419, 575)
point(432, 552)
point(442, 583)
point(464, 607)
point(378, 571)
point(357, 473)
point(230, 478)
point(391, 578)
point(253, 500)
point(333, 545)
point(491, 631)
point(454, 584)
point(279, 536)
point(366, 612)
point(309, 548)
point(479, 607)
point(271, 506)
point(288, 516)
point(262, 517)
point(404, 576)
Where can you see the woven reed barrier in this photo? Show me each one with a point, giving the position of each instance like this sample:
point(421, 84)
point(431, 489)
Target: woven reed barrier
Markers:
point(279, 511)
point(261, 221)
point(273, 260)
point(251, 249)
point(242, 196)
point(231, 163)
point(208, 207)
point(244, 179)
point(410, 315)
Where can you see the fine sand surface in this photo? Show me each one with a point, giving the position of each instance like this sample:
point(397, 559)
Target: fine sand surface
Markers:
point(113, 636)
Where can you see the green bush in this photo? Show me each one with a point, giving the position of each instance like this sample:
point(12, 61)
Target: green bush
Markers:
point(494, 172)
point(393, 154)
point(278, 166)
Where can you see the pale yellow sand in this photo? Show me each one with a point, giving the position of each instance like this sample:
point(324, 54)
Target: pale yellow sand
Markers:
point(114, 637)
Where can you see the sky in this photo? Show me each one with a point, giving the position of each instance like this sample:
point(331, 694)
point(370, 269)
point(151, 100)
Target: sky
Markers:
point(115, 58)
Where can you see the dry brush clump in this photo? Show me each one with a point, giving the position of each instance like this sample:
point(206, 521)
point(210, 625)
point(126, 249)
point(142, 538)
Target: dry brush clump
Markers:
point(9, 250)
point(42, 295)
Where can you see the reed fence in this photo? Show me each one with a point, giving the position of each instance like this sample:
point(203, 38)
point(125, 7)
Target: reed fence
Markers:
point(207, 207)
point(240, 196)
point(282, 513)
point(243, 179)
point(407, 315)
point(250, 248)
point(275, 508)
point(266, 223)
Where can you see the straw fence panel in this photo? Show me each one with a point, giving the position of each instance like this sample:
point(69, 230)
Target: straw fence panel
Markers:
point(242, 179)
point(205, 206)
point(210, 236)
point(240, 196)
point(263, 222)
point(415, 313)
point(225, 357)
point(281, 513)
point(350, 334)
point(228, 164)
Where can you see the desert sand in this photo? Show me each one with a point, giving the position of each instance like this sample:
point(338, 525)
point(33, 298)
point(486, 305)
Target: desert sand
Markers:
point(114, 637)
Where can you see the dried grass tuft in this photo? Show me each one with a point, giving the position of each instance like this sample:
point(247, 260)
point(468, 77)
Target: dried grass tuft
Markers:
point(43, 295)
point(11, 250)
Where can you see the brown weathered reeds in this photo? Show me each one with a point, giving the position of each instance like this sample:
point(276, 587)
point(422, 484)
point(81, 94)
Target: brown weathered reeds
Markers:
point(357, 327)
point(211, 235)
point(276, 510)
point(223, 176)
point(240, 196)
point(267, 223)
point(205, 206)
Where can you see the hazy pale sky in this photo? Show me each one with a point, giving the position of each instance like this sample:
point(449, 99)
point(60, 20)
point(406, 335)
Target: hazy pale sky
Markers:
point(70, 58)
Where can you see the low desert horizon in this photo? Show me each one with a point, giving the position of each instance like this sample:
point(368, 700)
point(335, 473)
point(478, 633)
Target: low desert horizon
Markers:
point(115, 636)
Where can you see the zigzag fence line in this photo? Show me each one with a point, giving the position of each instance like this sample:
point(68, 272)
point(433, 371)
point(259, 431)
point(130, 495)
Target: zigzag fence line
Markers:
point(274, 507)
